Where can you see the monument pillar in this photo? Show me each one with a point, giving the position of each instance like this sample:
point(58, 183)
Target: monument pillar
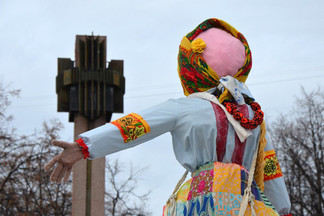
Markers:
point(90, 91)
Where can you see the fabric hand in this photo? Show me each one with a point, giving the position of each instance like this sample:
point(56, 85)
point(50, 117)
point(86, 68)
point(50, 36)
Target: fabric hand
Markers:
point(71, 154)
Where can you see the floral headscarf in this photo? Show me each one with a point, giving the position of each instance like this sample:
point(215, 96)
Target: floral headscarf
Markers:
point(194, 72)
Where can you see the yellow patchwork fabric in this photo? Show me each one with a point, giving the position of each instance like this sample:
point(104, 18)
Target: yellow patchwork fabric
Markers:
point(204, 195)
point(222, 173)
point(260, 209)
point(183, 191)
point(271, 169)
point(131, 127)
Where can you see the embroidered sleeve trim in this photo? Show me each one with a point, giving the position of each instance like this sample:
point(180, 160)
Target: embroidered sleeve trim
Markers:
point(131, 127)
point(84, 147)
point(271, 169)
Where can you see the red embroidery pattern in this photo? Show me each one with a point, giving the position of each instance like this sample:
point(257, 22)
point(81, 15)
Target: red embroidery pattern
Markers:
point(271, 169)
point(131, 127)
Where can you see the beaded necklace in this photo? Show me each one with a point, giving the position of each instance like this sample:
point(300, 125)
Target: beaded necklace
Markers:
point(231, 107)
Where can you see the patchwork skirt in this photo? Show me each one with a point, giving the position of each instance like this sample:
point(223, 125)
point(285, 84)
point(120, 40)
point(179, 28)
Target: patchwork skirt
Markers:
point(217, 189)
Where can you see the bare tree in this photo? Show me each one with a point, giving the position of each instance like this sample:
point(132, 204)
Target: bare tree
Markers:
point(121, 198)
point(24, 186)
point(299, 137)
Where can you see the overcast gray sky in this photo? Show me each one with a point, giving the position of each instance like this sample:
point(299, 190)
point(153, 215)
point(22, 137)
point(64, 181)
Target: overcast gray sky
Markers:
point(286, 39)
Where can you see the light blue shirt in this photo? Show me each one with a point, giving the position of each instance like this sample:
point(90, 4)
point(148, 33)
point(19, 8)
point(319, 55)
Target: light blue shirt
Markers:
point(192, 124)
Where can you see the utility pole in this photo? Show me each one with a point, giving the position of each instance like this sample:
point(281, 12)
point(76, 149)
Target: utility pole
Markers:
point(90, 91)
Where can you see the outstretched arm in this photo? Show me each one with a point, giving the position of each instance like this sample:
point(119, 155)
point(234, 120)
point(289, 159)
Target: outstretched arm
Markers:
point(120, 134)
point(131, 130)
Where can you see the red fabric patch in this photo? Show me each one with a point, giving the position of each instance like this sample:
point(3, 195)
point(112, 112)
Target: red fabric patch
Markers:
point(271, 169)
point(222, 130)
point(201, 184)
point(238, 152)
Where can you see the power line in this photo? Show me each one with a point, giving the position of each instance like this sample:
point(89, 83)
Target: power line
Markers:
point(180, 92)
point(290, 71)
point(271, 73)
point(284, 80)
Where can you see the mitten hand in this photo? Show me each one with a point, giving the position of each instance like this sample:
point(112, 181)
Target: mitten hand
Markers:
point(71, 154)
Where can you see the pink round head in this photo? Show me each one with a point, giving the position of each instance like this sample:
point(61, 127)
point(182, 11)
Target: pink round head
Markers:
point(224, 53)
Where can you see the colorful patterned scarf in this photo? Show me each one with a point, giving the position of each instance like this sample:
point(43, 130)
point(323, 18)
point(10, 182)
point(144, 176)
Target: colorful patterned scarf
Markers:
point(194, 72)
